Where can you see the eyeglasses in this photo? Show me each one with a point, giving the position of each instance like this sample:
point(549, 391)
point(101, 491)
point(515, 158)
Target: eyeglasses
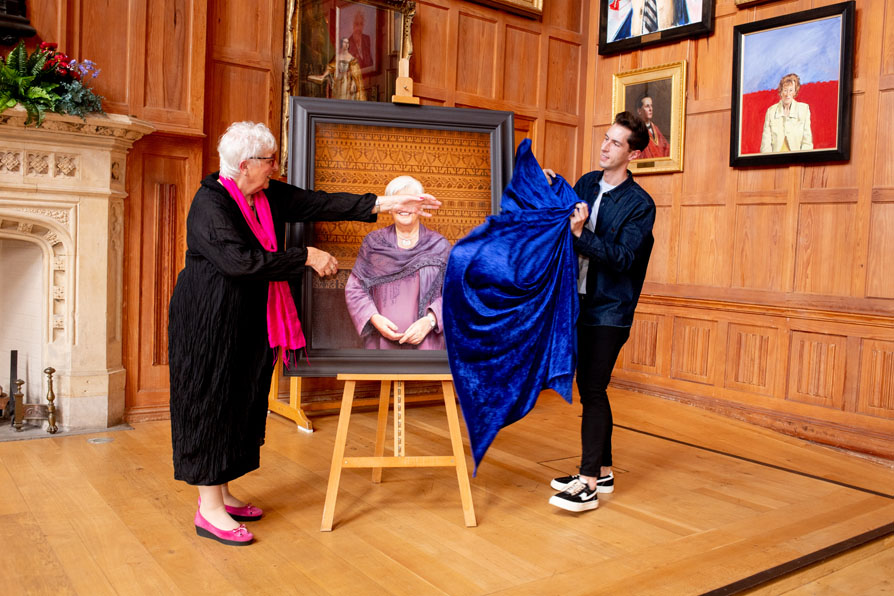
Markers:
point(270, 159)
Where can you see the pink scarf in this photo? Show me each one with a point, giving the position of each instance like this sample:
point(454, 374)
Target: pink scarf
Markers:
point(283, 326)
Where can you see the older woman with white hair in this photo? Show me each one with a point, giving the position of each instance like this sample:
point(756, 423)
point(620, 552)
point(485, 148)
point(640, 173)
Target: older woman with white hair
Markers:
point(231, 310)
point(394, 291)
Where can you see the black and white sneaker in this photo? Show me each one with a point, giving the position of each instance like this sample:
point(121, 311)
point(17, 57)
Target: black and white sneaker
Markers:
point(604, 484)
point(576, 497)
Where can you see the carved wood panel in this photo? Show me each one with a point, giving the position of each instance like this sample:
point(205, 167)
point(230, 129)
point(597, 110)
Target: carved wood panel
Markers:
point(693, 349)
point(641, 352)
point(877, 379)
point(751, 358)
point(817, 364)
point(167, 256)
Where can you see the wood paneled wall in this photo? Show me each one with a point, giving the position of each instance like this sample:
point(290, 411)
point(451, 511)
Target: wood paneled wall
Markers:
point(191, 67)
point(769, 296)
point(469, 55)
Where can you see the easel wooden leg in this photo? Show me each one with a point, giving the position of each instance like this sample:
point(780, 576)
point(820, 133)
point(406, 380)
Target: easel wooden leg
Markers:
point(338, 455)
point(301, 418)
point(462, 473)
point(399, 459)
point(384, 399)
point(400, 440)
point(292, 411)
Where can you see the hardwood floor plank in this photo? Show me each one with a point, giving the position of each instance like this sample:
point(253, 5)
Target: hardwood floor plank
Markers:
point(701, 502)
point(29, 562)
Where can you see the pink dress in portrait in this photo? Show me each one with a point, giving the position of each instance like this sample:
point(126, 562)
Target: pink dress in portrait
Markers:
point(402, 285)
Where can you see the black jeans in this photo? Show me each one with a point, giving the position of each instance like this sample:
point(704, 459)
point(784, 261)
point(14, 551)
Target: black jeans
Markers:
point(598, 349)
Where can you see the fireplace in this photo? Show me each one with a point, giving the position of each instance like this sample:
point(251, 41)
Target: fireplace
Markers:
point(61, 223)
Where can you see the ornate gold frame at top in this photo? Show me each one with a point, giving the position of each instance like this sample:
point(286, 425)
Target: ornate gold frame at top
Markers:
point(676, 71)
point(525, 8)
point(290, 73)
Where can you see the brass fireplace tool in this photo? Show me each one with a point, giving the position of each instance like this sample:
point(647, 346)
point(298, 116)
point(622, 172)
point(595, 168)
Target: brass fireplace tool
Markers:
point(19, 398)
point(51, 397)
point(25, 411)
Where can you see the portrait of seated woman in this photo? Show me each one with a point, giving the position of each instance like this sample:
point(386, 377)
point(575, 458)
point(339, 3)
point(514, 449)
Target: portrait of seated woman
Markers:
point(393, 294)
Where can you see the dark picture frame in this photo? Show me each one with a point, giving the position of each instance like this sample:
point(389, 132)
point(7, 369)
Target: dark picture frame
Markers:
point(817, 46)
point(677, 19)
point(308, 115)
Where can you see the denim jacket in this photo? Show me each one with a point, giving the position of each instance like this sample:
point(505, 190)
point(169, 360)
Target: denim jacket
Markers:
point(618, 250)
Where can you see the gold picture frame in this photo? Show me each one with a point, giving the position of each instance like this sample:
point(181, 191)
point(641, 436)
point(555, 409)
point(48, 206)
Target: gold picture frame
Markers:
point(527, 8)
point(313, 30)
point(665, 86)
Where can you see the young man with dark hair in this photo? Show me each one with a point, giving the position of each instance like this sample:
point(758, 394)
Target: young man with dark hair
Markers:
point(613, 246)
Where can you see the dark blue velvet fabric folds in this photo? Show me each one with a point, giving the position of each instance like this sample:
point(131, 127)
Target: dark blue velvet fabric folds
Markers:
point(510, 304)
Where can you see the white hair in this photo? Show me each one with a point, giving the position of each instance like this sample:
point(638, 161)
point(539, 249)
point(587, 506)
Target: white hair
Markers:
point(241, 141)
point(404, 185)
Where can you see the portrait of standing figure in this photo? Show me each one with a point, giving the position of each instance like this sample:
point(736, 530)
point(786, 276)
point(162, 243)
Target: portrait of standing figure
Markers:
point(393, 294)
point(789, 93)
point(359, 24)
point(342, 76)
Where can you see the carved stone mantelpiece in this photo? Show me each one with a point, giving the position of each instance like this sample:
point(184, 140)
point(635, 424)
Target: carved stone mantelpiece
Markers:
point(62, 189)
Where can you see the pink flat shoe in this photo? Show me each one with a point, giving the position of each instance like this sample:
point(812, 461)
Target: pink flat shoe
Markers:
point(238, 537)
point(247, 513)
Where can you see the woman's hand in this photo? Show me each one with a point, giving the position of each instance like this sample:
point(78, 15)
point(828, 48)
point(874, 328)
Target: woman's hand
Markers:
point(550, 175)
point(321, 262)
point(386, 327)
point(579, 218)
point(416, 332)
point(408, 203)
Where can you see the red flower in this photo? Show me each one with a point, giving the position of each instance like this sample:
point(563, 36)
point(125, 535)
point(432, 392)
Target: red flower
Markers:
point(49, 45)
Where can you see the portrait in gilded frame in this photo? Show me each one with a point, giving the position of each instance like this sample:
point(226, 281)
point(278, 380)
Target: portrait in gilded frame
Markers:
point(462, 156)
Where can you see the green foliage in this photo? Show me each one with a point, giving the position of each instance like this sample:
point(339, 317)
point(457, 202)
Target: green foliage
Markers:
point(45, 81)
point(78, 100)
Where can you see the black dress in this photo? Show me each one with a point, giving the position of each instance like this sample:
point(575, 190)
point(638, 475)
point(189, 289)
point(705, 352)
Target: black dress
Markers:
point(219, 357)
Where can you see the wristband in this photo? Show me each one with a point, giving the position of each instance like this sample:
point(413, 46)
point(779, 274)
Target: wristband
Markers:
point(431, 319)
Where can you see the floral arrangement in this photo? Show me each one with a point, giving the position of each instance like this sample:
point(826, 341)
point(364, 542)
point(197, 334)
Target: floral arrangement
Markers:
point(47, 80)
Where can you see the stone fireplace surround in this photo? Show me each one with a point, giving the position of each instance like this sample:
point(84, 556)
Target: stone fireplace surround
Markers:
point(62, 189)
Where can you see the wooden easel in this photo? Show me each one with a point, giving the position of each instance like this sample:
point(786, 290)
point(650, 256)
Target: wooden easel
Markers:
point(293, 410)
point(400, 459)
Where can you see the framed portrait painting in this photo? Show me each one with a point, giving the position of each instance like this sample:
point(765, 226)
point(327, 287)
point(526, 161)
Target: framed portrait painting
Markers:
point(461, 156)
point(658, 96)
point(626, 25)
point(792, 82)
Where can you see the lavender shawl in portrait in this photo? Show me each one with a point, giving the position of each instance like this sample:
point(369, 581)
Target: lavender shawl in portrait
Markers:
point(399, 284)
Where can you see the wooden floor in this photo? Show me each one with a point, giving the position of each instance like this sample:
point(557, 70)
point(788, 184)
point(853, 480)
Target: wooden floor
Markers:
point(703, 504)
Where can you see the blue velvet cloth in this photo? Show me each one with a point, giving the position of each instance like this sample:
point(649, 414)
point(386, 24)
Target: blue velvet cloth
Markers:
point(510, 304)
